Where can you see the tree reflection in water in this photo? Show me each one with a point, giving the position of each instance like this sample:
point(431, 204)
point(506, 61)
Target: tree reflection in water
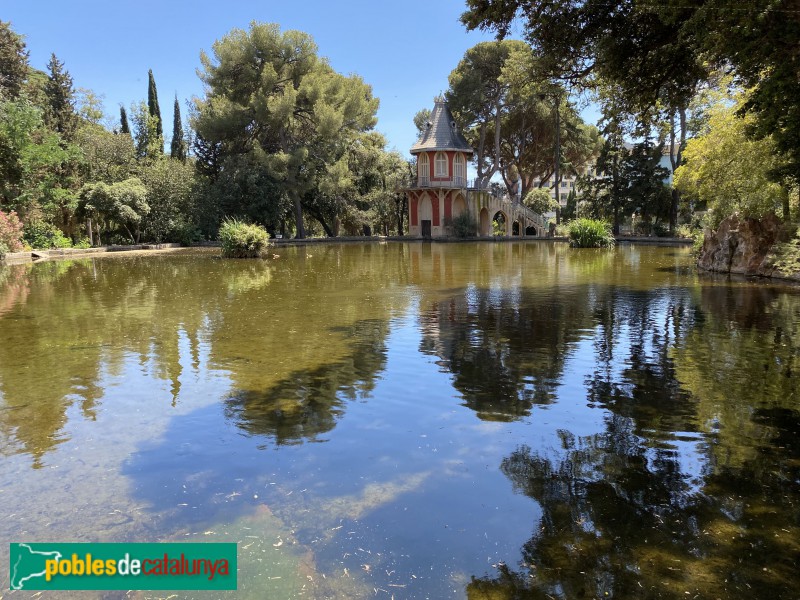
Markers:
point(307, 403)
point(691, 489)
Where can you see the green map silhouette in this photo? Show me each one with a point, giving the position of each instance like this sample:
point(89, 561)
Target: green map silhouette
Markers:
point(28, 563)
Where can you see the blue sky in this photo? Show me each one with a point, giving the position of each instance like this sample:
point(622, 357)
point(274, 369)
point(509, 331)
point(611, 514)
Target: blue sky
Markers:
point(405, 50)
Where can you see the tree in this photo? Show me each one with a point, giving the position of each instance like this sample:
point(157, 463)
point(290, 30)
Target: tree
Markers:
point(13, 62)
point(540, 201)
point(33, 159)
point(59, 113)
point(107, 157)
point(149, 144)
point(658, 53)
point(422, 117)
point(123, 204)
point(153, 108)
point(477, 96)
point(169, 185)
point(124, 128)
point(644, 184)
point(728, 171)
point(274, 106)
point(500, 92)
point(629, 179)
point(89, 106)
point(571, 207)
point(178, 145)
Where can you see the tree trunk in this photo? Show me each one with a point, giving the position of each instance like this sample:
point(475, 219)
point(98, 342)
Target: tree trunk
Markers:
point(330, 232)
point(675, 156)
point(786, 209)
point(298, 217)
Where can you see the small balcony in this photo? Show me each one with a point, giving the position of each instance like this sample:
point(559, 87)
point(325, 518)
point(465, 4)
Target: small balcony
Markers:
point(427, 182)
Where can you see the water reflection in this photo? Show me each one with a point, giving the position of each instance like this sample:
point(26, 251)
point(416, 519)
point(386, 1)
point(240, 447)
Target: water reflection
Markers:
point(306, 404)
point(266, 323)
point(692, 486)
point(595, 424)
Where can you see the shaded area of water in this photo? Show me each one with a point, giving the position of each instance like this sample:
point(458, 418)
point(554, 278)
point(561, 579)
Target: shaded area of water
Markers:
point(516, 420)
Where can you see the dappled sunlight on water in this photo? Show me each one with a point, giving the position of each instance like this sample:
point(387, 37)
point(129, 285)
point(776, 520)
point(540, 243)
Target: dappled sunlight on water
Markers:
point(497, 420)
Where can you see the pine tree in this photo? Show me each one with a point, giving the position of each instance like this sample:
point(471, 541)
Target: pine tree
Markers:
point(152, 104)
point(60, 113)
point(13, 62)
point(178, 147)
point(123, 121)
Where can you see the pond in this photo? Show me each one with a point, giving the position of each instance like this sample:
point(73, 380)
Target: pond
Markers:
point(494, 420)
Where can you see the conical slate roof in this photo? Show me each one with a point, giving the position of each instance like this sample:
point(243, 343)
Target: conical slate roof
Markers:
point(441, 132)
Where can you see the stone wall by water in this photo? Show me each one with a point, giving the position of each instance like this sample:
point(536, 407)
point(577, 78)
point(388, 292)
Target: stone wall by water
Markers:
point(744, 246)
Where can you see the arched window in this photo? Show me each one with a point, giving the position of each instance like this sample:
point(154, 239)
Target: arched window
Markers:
point(423, 169)
point(440, 164)
point(458, 169)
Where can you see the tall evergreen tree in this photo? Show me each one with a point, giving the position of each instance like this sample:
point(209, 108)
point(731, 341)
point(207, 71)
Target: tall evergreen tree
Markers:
point(152, 103)
point(123, 121)
point(13, 62)
point(60, 113)
point(178, 147)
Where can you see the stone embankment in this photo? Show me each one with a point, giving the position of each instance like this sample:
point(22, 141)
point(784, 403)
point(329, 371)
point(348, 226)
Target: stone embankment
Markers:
point(30, 255)
point(745, 246)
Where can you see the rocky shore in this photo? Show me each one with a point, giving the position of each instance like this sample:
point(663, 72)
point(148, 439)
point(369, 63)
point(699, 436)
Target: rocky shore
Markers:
point(745, 246)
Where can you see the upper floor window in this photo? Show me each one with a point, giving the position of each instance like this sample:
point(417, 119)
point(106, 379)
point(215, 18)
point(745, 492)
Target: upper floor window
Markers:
point(440, 164)
point(458, 167)
point(423, 166)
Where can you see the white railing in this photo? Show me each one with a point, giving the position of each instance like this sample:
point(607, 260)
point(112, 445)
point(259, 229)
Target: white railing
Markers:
point(538, 219)
point(427, 182)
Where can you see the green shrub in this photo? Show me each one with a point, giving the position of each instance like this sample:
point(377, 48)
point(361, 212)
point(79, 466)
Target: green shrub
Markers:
point(119, 239)
point(43, 236)
point(698, 237)
point(590, 233)
point(660, 230)
point(684, 231)
point(464, 225)
point(188, 233)
point(3, 250)
point(242, 240)
point(82, 243)
point(787, 255)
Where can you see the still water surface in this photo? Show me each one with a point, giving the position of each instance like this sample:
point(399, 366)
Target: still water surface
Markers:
point(515, 420)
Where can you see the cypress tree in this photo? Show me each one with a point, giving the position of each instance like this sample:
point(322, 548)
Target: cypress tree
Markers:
point(13, 62)
point(60, 113)
point(123, 121)
point(178, 148)
point(152, 103)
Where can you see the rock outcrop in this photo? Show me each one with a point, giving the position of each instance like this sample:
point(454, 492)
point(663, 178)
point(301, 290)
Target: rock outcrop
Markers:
point(742, 245)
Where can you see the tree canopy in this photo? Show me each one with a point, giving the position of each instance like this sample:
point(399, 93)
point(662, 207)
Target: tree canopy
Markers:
point(725, 170)
point(272, 103)
point(658, 53)
point(511, 111)
point(13, 62)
